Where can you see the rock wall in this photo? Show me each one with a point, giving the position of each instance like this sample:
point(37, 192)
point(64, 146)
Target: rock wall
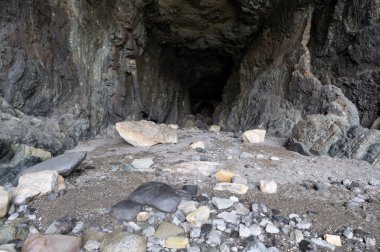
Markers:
point(75, 66)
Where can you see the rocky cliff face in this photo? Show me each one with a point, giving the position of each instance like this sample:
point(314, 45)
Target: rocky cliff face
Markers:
point(68, 68)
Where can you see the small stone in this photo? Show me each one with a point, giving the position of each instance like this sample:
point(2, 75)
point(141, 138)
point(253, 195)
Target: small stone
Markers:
point(275, 158)
point(296, 236)
point(192, 189)
point(254, 136)
point(61, 226)
point(122, 241)
point(198, 144)
point(214, 128)
point(125, 210)
point(255, 230)
point(323, 244)
point(224, 176)
point(224, 248)
point(176, 242)
point(260, 156)
point(7, 234)
point(244, 231)
point(195, 232)
point(267, 186)
point(214, 237)
point(303, 225)
point(229, 217)
point(222, 203)
point(255, 245)
point(142, 163)
point(5, 199)
point(200, 215)
point(348, 233)
point(239, 180)
point(271, 229)
point(142, 216)
point(370, 242)
point(232, 188)
point(187, 206)
point(13, 216)
point(92, 245)
point(206, 229)
point(245, 155)
point(194, 249)
point(241, 209)
point(149, 231)
point(333, 240)
point(167, 229)
point(78, 227)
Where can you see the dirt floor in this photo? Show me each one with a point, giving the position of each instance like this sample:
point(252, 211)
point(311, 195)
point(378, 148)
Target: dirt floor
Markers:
point(102, 181)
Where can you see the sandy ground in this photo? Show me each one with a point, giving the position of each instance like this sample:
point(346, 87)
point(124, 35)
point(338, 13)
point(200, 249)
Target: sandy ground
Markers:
point(101, 180)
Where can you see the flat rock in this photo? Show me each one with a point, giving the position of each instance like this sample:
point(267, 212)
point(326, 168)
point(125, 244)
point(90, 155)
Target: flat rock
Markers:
point(142, 163)
point(158, 195)
point(167, 229)
point(196, 167)
point(215, 237)
point(64, 164)
point(125, 210)
point(229, 217)
point(33, 184)
point(176, 242)
point(57, 243)
point(254, 136)
point(122, 242)
point(5, 199)
point(333, 240)
point(255, 230)
point(224, 176)
point(199, 215)
point(146, 133)
point(222, 203)
point(231, 187)
point(267, 186)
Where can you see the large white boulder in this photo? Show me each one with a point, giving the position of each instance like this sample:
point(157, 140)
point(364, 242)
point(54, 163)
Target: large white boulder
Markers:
point(254, 136)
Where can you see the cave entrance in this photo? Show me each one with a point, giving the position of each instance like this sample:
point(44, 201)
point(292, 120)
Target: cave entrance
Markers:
point(210, 71)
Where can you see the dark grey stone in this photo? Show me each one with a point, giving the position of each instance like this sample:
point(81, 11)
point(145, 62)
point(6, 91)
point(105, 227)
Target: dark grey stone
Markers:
point(192, 189)
point(125, 210)
point(64, 164)
point(63, 225)
point(158, 195)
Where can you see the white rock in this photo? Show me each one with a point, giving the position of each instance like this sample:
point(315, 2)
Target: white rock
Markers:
point(244, 231)
point(142, 163)
point(222, 203)
point(254, 136)
point(323, 244)
point(267, 186)
point(255, 230)
point(229, 217)
point(333, 240)
point(146, 133)
point(231, 187)
point(198, 144)
point(91, 245)
point(270, 228)
point(33, 184)
point(215, 128)
point(275, 158)
point(5, 199)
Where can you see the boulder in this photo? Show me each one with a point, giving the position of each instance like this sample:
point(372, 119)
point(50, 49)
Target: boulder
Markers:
point(64, 164)
point(49, 243)
point(146, 133)
point(254, 136)
point(33, 184)
point(158, 195)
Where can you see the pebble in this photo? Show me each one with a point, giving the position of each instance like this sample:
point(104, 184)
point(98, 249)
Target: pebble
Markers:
point(333, 240)
point(270, 228)
point(214, 237)
point(303, 225)
point(166, 229)
point(267, 186)
point(275, 158)
point(232, 188)
point(199, 215)
point(92, 245)
point(78, 227)
point(224, 176)
point(255, 230)
point(244, 231)
point(296, 236)
point(187, 206)
point(61, 226)
point(176, 242)
point(194, 249)
point(239, 180)
point(323, 244)
point(142, 163)
point(149, 231)
point(245, 155)
point(142, 216)
point(222, 203)
point(348, 233)
point(195, 232)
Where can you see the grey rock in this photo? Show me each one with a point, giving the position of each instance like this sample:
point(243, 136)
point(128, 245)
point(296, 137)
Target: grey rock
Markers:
point(149, 231)
point(255, 230)
point(195, 232)
point(245, 155)
point(214, 237)
point(158, 195)
point(271, 229)
point(63, 225)
point(125, 210)
point(244, 231)
point(255, 245)
point(296, 236)
point(64, 164)
point(142, 163)
point(222, 203)
point(241, 209)
point(323, 244)
point(8, 247)
point(7, 234)
point(303, 225)
point(229, 217)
